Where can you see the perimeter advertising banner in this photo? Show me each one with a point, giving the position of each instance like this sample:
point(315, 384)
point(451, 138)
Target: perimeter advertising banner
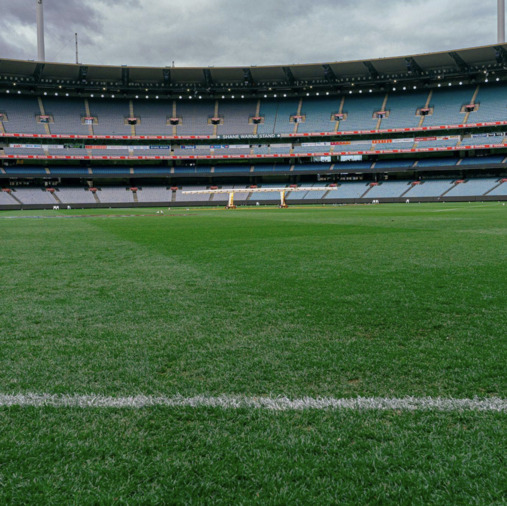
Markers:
point(249, 136)
point(26, 146)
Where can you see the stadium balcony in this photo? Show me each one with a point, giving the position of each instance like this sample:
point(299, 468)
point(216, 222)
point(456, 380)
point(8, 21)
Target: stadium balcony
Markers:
point(456, 108)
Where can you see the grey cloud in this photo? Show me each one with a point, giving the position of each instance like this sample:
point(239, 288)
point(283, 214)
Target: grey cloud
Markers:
point(244, 32)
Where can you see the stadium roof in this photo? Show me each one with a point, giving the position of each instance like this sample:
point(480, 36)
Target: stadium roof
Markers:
point(464, 63)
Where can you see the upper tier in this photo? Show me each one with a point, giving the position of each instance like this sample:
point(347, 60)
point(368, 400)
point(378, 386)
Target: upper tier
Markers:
point(449, 107)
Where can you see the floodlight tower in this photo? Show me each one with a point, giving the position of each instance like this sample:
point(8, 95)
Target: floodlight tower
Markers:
point(41, 53)
point(501, 21)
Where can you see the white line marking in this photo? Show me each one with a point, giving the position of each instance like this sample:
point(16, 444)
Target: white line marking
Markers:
point(267, 403)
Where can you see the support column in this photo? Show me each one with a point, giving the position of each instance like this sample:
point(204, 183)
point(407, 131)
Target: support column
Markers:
point(231, 205)
point(283, 204)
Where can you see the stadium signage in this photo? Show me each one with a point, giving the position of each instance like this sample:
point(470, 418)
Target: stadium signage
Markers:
point(256, 157)
point(247, 146)
point(252, 136)
point(26, 146)
point(249, 136)
point(383, 141)
point(490, 134)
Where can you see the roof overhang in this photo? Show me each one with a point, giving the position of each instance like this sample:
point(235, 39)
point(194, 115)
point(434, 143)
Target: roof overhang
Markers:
point(463, 63)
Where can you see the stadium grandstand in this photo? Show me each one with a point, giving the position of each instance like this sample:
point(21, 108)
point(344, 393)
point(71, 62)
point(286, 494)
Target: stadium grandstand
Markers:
point(429, 127)
point(158, 348)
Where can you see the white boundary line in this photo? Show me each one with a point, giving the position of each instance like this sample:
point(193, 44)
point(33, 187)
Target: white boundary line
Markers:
point(265, 403)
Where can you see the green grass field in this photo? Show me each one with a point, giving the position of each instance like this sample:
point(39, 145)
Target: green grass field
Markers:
point(339, 302)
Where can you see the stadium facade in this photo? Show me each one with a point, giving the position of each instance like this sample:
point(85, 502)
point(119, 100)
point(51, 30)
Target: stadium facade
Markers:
point(420, 128)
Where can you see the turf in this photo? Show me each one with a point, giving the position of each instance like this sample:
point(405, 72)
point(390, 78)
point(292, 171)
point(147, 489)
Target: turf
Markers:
point(339, 301)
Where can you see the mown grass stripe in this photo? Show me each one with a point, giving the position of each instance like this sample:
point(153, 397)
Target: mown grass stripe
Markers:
point(267, 403)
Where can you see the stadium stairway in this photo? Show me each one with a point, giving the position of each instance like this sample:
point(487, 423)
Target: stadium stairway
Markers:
point(296, 124)
point(216, 114)
point(499, 183)
point(257, 113)
point(15, 198)
point(407, 190)
point(55, 196)
point(326, 194)
point(276, 119)
point(474, 98)
point(88, 113)
point(366, 192)
point(340, 111)
point(383, 108)
point(135, 197)
point(43, 113)
point(426, 105)
point(456, 183)
point(132, 115)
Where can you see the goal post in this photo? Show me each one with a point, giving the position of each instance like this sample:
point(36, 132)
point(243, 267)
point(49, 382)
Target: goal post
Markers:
point(231, 191)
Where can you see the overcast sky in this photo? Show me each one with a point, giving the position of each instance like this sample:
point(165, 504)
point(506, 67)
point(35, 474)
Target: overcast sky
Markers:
point(243, 32)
